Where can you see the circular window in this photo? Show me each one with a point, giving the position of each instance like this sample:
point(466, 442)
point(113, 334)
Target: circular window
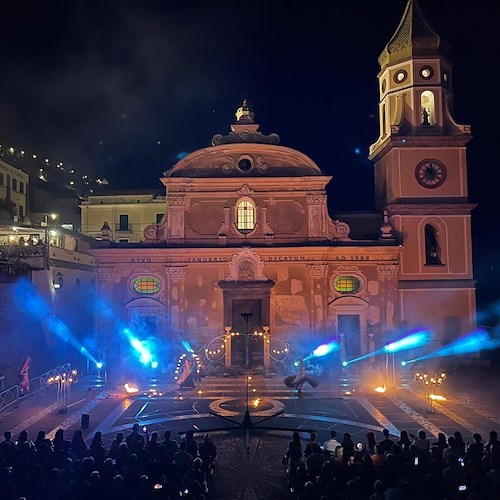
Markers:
point(346, 284)
point(147, 285)
point(384, 84)
point(245, 164)
point(400, 76)
point(426, 72)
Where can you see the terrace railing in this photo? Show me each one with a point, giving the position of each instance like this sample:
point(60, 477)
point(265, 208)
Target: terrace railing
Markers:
point(11, 396)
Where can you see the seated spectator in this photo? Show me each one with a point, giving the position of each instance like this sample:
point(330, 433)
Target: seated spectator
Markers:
point(78, 444)
point(313, 439)
point(208, 453)
point(315, 461)
point(441, 441)
point(297, 482)
point(379, 488)
point(492, 477)
point(191, 443)
point(453, 449)
point(60, 445)
point(152, 448)
point(386, 443)
point(453, 475)
point(475, 451)
point(293, 455)
point(378, 458)
point(196, 473)
point(171, 445)
point(421, 443)
point(347, 447)
point(96, 448)
point(404, 442)
point(182, 459)
point(309, 492)
point(115, 444)
point(23, 438)
point(330, 445)
point(135, 440)
point(460, 442)
point(132, 472)
point(370, 442)
point(40, 438)
point(492, 441)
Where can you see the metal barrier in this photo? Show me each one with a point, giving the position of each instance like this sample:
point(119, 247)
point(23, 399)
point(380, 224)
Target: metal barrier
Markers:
point(10, 396)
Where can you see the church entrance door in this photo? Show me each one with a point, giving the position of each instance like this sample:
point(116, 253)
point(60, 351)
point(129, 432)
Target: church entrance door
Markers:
point(255, 342)
point(349, 327)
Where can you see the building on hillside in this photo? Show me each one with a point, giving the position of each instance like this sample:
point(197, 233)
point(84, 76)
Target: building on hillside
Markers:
point(47, 291)
point(127, 213)
point(13, 193)
point(247, 230)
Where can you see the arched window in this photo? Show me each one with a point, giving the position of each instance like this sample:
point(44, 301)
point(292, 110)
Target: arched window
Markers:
point(427, 108)
point(432, 249)
point(245, 215)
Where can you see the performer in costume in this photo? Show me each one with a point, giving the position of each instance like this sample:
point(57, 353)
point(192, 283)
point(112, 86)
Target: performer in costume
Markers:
point(187, 376)
point(297, 381)
point(24, 377)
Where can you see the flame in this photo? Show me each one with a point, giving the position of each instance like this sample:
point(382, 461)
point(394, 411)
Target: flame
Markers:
point(381, 389)
point(130, 390)
point(437, 397)
point(256, 402)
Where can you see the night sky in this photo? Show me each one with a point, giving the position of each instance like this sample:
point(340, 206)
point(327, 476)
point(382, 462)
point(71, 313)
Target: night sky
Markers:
point(121, 89)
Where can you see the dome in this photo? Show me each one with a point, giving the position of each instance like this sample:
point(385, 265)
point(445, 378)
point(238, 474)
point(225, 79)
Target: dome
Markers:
point(245, 152)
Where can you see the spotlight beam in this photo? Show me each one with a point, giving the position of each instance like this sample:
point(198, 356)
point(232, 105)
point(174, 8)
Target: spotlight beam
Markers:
point(477, 341)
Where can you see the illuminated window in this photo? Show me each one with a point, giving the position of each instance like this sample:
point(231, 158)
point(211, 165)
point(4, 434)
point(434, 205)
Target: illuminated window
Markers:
point(146, 285)
point(346, 284)
point(245, 215)
point(427, 108)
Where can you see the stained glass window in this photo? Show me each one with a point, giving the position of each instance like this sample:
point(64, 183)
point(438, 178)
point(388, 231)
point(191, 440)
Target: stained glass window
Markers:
point(346, 284)
point(146, 285)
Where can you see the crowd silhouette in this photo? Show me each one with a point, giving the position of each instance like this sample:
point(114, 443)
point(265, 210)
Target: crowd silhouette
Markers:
point(136, 466)
point(411, 467)
point(140, 465)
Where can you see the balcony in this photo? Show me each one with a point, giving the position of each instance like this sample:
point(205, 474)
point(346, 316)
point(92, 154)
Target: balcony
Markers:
point(16, 259)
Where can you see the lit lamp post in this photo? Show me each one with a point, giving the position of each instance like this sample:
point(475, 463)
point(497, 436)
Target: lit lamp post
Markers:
point(64, 382)
point(429, 383)
point(436, 379)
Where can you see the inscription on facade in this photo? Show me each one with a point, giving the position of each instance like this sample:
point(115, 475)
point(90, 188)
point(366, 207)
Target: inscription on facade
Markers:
point(140, 259)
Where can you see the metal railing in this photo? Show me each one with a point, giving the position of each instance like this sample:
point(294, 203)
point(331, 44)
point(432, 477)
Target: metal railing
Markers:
point(11, 395)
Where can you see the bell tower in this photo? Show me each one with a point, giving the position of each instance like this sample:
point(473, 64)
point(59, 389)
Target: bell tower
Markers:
point(421, 178)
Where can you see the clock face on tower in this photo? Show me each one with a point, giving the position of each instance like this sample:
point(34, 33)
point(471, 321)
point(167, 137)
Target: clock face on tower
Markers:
point(430, 173)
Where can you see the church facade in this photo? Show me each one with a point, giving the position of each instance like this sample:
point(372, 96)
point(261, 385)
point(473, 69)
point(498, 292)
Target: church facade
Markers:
point(247, 246)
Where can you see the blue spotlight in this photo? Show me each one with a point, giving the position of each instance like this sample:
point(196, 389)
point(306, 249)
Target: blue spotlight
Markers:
point(414, 340)
point(477, 341)
point(154, 364)
point(296, 363)
point(145, 356)
point(325, 349)
point(187, 346)
point(403, 363)
point(344, 363)
point(99, 365)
